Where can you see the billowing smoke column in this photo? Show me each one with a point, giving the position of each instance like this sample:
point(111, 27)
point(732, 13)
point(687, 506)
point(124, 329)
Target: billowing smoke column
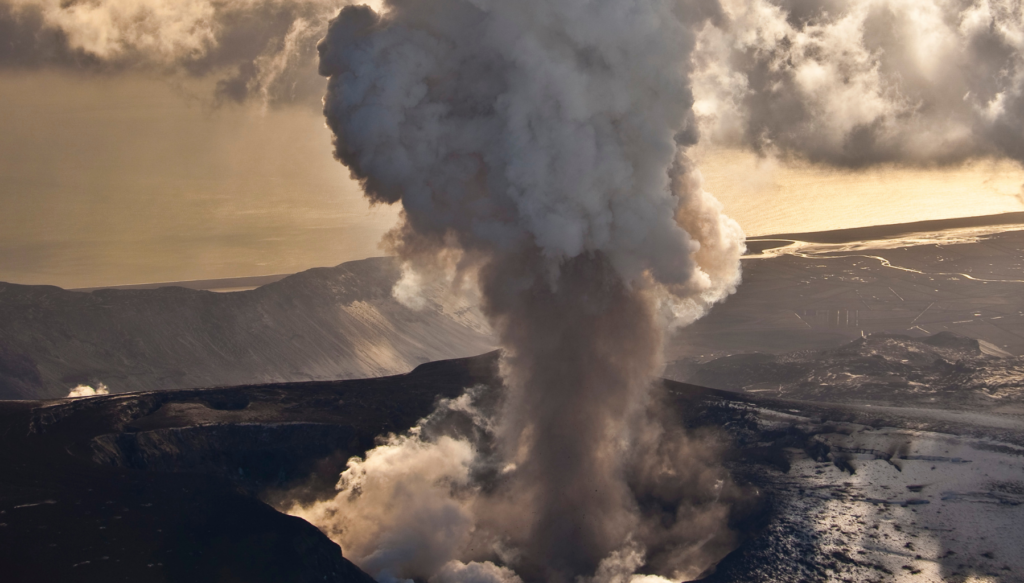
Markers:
point(538, 150)
point(538, 147)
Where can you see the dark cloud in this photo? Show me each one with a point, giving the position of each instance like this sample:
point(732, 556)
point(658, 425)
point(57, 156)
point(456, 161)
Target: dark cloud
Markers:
point(254, 50)
point(26, 42)
point(799, 12)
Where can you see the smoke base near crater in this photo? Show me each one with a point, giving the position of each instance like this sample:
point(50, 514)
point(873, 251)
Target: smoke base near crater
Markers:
point(440, 503)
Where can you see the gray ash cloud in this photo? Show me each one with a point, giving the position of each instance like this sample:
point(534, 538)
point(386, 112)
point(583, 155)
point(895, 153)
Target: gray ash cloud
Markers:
point(538, 150)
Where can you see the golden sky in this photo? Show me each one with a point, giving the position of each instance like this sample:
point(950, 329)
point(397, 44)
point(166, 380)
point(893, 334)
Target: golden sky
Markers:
point(129, 179)
point(767, 196)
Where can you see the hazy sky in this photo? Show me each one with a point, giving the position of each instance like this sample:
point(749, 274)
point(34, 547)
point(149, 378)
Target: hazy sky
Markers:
point(125, 180)
point(767, 196)
point(191, 146)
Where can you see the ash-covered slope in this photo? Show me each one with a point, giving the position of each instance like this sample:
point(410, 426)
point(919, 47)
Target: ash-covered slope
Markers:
point(326, 323)
point(813, 296)
point(943, 370)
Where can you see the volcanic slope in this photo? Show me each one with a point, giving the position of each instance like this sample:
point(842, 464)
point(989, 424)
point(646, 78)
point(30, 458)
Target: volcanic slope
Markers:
point(944, 370)
point(808, 296)
point(175, 485)
point(327, 323)
point(162, 486)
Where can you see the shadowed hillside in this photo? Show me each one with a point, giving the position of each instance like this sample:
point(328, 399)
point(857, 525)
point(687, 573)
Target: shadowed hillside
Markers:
point(161, 486)
point(325, 323)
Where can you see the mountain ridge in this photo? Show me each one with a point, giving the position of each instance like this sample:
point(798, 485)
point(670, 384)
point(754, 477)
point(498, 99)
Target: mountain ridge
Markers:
point(321, 324)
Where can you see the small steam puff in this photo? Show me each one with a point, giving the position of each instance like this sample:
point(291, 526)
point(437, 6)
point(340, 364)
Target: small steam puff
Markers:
point(87, 391)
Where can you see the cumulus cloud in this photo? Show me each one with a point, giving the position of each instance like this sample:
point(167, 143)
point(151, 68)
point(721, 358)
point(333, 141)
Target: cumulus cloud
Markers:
point(861, 82)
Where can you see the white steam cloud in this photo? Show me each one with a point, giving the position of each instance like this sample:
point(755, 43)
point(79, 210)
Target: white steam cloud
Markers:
point(499, 136)
point(88, 391)
point(443, 504)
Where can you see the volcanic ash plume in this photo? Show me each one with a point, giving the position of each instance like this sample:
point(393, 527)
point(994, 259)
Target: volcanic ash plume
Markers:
point(537, 148)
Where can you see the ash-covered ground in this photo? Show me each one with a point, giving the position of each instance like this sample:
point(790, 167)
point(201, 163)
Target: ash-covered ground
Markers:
point(170, 485)
point(181, 485)
point(322, 324)
point(943, 370)
point(900, 358)
point(817, 292)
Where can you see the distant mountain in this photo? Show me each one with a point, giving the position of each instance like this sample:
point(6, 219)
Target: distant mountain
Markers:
point(322, 324)
point(943, 370)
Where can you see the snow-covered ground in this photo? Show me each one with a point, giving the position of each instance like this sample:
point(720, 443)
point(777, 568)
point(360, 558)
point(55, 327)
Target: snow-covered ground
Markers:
point(946, 507)
point(864, 502)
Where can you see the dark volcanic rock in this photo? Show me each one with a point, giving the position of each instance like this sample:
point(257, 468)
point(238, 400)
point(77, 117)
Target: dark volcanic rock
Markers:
point(326, 323)
point(161, 486)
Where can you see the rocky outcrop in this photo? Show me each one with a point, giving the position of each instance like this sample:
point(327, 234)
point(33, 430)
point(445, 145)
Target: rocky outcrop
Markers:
point(943, 370)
